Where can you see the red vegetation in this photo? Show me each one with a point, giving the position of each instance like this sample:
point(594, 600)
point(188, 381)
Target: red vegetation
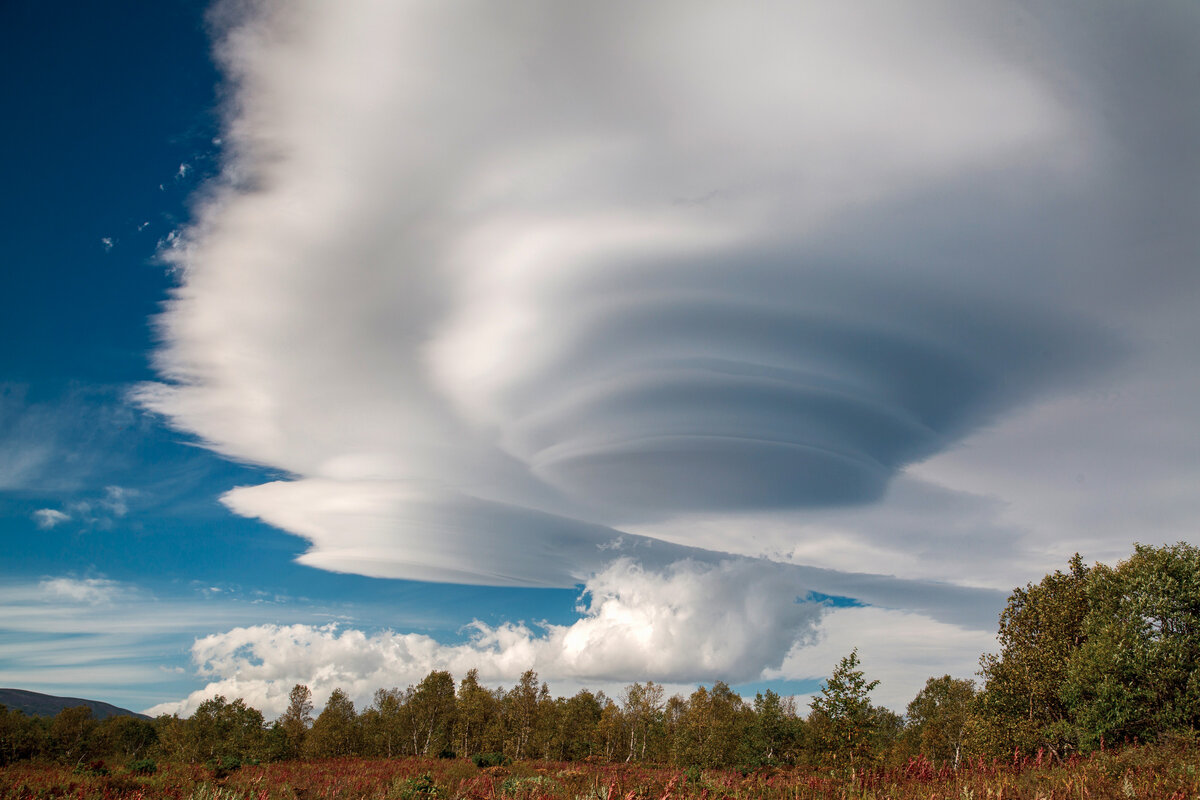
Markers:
point(1168, 771)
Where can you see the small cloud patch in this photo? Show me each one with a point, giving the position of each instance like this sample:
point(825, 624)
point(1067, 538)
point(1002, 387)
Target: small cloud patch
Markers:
point(47, 518)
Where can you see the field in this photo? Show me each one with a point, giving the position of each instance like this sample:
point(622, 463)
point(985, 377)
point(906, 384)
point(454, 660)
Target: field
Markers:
point(1166, 771)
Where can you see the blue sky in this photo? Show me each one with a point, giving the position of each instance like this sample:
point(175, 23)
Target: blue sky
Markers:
point(620, 341)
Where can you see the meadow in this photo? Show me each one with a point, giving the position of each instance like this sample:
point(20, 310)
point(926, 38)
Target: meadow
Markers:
point(1164, 771)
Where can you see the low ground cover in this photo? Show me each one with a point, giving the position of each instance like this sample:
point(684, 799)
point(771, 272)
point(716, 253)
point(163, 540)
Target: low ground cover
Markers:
point(1167, 771)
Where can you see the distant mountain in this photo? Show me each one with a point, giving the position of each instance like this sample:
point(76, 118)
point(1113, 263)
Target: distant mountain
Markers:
point(35, 704)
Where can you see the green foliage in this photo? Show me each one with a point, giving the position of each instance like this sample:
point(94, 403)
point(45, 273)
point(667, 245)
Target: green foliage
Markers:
point(776, 731)
point(477, 716)
point(938, 719)
point(1138, 672)
point(21, 736)
point(421, 787)
point(484, 760)
point(336, 731)
point(72, 738)
point(223, 766)
point(224, 730)
point(295, 722)
point(143, 766)
point(433, 710)
point(526, 786)
point(1041, 628)
point(642, 714)
point(576, 724)
point(127, 737)
point(844, 719)
point(94, 767)
point(713, 728)
point(1100, 654)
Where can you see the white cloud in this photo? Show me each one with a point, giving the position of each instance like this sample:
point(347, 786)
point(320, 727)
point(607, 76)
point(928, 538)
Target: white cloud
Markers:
point(90, 591)
point(508, 305)
point(690, 622)
point(498, 289)
point(47, 518)
point(116, 500)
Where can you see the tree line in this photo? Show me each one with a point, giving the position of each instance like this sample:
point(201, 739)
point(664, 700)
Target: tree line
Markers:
point(1088, 657)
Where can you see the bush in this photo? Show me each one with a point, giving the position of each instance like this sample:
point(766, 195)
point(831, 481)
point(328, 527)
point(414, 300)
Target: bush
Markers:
point(420, 788)
point(91, 768)
point(143, 766)
point(483, 760)
point(222, 766)
point(447, 754)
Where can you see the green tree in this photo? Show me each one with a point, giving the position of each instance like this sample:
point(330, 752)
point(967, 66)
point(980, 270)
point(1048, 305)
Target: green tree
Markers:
point(938, 719)
point(386, 724)
point(21, 737)
point(521, 706)
point(714, 728)
point(477, 714)
point(1041, 628)
point(72, 737)
point(296, 720)
point(642, 708)
point(577, 720)
point(1137, 672)
point(775, 731)
point(336, 731)
point(844, 718)
point(223, 730)
point(433, 709)
point(128, 737)
point(610, 730)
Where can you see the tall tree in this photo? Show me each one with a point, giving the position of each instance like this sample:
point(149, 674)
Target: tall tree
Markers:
point(642, 707)
point(20, 736)
point(714, 727)
point(1137, 673)
point(844, 717)
point(938, 719)
point(477, 714)
point(1041, 628)
point(335, 731)
point(128, 737)
point(296, 721)
point(220, 729)
point(433, 709)
point(578, 719)
point(521, 706)
point(72, 735)
point(385, 726)
point(775, 730)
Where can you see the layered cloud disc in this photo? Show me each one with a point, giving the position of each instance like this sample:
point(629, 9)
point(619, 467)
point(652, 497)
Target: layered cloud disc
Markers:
point(492, 286)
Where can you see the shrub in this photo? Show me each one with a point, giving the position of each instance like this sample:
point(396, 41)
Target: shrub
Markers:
point(143, 766)
point(419, 788)
point(483, 760)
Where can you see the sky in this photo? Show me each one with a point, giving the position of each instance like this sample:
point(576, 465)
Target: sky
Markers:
point(621, 341)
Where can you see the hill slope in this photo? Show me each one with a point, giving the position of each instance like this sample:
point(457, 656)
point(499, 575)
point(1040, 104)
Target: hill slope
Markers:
point(35, 704)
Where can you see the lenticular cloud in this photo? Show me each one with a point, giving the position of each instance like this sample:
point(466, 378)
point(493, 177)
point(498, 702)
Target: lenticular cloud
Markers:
point(492, 283)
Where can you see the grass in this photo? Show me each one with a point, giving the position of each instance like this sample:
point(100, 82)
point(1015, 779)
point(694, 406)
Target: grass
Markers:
point(1158, 772)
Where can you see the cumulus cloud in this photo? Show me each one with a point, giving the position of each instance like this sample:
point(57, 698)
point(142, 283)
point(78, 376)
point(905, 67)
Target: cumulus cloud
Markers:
point(691, 622)
point(498, 289)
